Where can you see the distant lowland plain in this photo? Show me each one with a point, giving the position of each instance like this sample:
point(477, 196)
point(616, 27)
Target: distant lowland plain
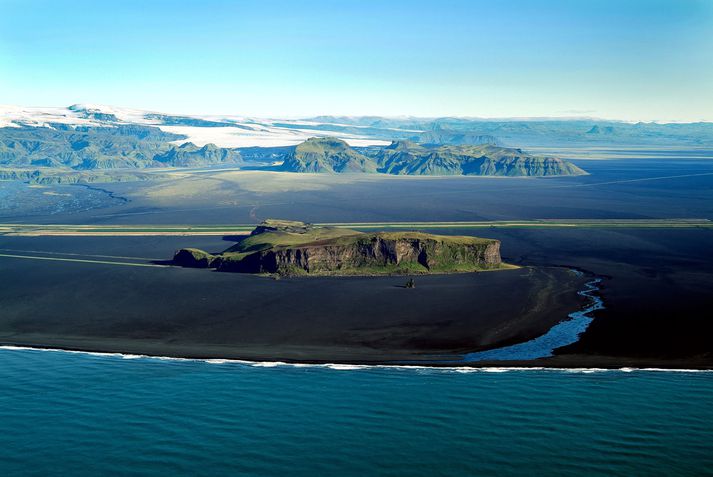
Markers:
point(357, 239)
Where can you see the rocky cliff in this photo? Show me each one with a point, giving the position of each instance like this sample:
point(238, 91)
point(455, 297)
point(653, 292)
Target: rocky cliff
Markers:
point(372, 253)
point(194, 258)
point(327, 251)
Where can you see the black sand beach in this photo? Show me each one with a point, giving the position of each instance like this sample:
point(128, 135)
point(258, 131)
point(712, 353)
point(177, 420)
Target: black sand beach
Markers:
point(201, 313)
point(652, 316)
point(656, 288)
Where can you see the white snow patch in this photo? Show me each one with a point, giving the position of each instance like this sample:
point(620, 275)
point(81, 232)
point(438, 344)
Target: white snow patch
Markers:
point(260, 136)
point(246, 132)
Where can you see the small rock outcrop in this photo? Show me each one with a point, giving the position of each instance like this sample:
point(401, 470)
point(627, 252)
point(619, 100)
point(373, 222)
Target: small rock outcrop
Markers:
point(193, 257)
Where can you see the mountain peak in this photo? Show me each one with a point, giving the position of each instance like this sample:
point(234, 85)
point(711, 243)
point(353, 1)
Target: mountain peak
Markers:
point(326, 154)
point(324, 141)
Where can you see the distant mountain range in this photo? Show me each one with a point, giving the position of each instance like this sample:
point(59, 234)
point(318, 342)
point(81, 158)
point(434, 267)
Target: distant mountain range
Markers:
point(93, 147)
point(554, 132)
point(404, 157)
point(329, 155)
point(90, 137)
point(241, 132)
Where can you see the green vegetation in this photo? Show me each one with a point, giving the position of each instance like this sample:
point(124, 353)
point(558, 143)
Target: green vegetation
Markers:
point(62, 175)
point(326, 155)
point(190, 155)
point(280, 238)
point(89, 148)
point(408, 158)
point(350, 227)
point(193, 257)
point(29, 151)
point(296, 248)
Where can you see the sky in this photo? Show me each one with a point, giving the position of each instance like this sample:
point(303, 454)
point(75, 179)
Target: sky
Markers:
point(618, 59)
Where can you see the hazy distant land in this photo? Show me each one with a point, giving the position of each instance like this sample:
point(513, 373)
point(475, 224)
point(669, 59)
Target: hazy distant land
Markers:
point(99, 144)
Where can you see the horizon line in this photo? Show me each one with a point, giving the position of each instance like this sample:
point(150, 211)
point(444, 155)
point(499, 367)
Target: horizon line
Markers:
point(293, 117)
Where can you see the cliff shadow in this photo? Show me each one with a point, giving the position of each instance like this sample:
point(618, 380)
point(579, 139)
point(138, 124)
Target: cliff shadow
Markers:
point(234, 238)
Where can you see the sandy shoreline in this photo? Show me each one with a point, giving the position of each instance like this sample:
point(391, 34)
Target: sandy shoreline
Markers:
point(566, 363)
point(197, 313)
point(326, 356)
point(165, 311)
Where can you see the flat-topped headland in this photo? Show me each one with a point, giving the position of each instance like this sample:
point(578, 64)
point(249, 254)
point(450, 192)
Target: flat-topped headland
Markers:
point(296, 248)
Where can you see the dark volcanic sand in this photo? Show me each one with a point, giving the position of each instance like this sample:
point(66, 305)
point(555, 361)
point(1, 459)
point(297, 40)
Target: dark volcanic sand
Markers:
point(657, 288)
point(203, 313)
point(615, 189)
point(657, 296)
point(658, 291)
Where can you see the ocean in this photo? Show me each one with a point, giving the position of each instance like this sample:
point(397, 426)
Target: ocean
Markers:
point(79, 414)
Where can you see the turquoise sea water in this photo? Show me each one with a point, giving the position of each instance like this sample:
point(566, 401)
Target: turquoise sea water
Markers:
point(79, 414)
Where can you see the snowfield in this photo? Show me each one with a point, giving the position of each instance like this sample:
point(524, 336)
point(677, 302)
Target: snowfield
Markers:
point(238, 131)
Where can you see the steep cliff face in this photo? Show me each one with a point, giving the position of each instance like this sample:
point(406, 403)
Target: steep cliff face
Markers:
point(373, 253)
point(296, 248)
point(192, 257)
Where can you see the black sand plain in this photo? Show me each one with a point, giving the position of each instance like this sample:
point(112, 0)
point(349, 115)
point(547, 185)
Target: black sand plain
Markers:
point(203, 313)
point(658, 285)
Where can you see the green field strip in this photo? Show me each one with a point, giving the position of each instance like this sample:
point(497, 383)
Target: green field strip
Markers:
point(78, 260)
point(81, 254)
point(38, 229)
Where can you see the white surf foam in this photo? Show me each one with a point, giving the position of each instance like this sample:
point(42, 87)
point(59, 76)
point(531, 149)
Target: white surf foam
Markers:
point(352, 367)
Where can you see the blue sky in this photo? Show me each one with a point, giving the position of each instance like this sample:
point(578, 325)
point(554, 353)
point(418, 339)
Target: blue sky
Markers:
point(633, 60)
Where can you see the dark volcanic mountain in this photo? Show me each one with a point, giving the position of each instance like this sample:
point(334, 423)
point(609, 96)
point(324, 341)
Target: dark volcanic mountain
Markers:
point(323, 154)
point(404, 157)
point(190, 155)
point(116, 147)
point(408, 158)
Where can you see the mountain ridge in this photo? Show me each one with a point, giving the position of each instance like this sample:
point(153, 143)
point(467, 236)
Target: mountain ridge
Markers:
point(235, 131)
point(321, 154)
point(328, 155)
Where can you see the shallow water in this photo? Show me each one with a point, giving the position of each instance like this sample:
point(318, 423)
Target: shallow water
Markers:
point(81, 414)
point(562, 334)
